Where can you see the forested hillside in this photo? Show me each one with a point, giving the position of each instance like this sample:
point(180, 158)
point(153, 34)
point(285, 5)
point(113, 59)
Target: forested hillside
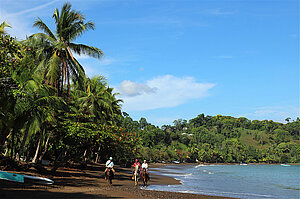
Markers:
point(218, 139)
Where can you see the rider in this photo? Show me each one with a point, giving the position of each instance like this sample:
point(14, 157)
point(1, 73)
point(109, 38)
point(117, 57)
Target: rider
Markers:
point(136, 163)
point(109, 164)
point(145, 166)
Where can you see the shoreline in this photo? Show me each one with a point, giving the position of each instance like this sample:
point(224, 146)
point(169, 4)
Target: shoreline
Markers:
point(90, 183)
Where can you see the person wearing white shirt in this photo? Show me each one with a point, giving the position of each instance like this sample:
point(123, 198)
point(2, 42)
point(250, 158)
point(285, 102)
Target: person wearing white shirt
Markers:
point(145, 166)
point(109, 164)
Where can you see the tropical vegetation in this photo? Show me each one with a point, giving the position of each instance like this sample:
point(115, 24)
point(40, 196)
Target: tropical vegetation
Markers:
point(50, 110)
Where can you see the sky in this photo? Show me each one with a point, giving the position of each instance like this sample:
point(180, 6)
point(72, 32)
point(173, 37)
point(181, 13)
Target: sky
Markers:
point(176, 59)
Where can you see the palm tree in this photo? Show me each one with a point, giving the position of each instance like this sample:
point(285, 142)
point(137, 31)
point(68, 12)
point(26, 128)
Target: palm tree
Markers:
point(58, 62)
point(35, 109)
point(2, 26)
point(97, 98)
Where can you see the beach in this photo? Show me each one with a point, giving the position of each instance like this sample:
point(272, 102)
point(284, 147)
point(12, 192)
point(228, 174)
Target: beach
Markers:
point(89, 183)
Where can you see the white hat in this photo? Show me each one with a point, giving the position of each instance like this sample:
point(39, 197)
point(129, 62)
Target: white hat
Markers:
point(110, 158)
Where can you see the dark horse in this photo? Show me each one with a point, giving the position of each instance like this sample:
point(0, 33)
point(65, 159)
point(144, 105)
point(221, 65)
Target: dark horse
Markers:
point(144, 177)
point(109, 174)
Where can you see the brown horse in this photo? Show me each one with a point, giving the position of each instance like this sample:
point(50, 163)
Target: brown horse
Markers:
point(109, 174)
point(145, 177)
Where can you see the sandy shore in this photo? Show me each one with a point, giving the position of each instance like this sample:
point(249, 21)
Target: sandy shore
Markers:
point(90, 183)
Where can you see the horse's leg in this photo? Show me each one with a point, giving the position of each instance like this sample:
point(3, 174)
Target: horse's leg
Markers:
point(136, 179)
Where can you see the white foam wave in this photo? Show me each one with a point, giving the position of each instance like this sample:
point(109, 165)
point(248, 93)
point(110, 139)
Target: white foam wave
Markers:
point(200, 165)
point(208, 172)
point(248, 194)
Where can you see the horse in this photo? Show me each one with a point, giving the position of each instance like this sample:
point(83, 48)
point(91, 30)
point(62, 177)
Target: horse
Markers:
point(136, 173)
point(144, 176)
point(109, 174)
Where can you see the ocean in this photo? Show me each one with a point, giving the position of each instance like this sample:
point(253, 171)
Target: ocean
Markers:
point(240, 181)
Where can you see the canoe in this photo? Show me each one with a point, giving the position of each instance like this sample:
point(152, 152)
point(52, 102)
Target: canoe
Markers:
point(285, 165)
point(39, 179)
point(14, 177)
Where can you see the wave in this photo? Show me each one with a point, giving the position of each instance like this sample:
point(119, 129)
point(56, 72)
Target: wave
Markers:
point(176, 188)
point(200, 165)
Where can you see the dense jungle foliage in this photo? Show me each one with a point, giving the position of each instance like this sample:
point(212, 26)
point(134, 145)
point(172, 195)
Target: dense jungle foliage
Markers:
point(219, 139)
point(50, 110)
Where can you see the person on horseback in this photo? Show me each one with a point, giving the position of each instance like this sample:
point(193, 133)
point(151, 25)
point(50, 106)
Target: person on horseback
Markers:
point(145, 166)
point(134, 165)
point(109, 164)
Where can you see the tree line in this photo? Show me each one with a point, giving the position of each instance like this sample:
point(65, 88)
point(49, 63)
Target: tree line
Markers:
point(219, 139)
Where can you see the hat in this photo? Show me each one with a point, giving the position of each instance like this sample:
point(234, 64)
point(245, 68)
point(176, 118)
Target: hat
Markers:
point(110, 158)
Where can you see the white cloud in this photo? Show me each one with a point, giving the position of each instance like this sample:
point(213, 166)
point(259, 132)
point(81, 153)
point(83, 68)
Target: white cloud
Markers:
point(276, 113)
point(21, 19)
point(161, 92)
point(20, 26)
point(107, 61)
point(103, 61)
point(129, 88)
point(30, 10)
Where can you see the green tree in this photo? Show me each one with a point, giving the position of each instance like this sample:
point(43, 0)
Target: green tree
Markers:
point(58, 62)
point(97, 99)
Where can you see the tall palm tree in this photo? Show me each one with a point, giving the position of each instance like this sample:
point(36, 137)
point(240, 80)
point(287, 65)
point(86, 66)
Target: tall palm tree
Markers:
point(58, 62)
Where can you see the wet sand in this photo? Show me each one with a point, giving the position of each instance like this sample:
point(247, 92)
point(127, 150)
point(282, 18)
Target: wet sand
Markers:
point(90, 183)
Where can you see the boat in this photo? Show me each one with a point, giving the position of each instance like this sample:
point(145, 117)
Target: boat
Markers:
point(244, 164)
point(285, 165)
point(14, 177)
point(39, 179)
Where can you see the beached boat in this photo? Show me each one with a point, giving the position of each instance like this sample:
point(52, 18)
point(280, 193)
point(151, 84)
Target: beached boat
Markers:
point(39, 179)
point(285, 165)
point(14, 177)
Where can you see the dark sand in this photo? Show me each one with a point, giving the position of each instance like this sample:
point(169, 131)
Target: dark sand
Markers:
point(90, 183)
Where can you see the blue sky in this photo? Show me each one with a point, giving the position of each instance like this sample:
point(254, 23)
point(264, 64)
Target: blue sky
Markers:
point(177, 59)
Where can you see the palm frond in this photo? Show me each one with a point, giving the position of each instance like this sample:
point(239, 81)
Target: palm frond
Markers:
point(2, 26)
point(56, 16)
point(41, 25)
point(50, 101)
point(53, 68)
point(87, 50)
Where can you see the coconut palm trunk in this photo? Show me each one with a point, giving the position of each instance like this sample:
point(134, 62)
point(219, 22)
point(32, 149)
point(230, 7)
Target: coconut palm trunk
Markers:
point(34, 160)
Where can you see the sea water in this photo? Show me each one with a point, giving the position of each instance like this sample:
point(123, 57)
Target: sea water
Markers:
point(239, 181)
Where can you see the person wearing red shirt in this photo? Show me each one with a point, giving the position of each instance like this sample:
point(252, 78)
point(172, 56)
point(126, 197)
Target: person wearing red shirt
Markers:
point(134, 165)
